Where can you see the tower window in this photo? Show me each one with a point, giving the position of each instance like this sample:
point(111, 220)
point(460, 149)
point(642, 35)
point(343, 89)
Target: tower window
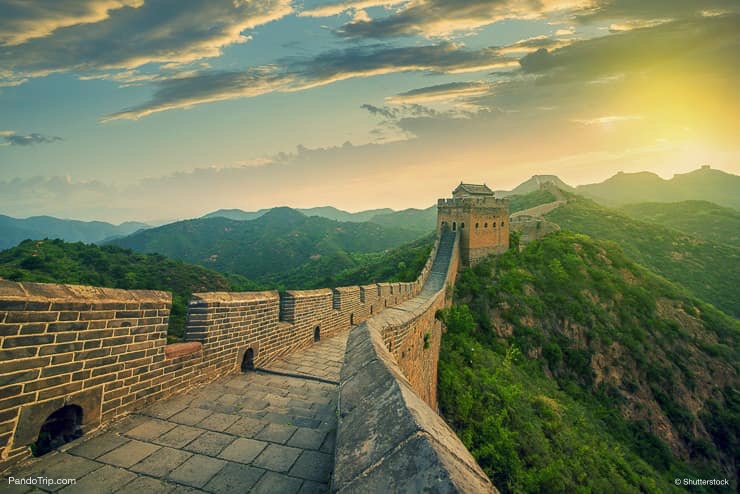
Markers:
point(476, 226)
point(462, 225)
point(454, 226)
point(485, 225)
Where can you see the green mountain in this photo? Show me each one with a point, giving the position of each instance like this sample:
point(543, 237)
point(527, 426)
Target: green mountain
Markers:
point(704, 184)
point(701, 219)
point(567, 367)
point(711, 270)
point(533, 185)
point(56, 261)
point(15, 230)
point(402, 263)
point(520, 202)
point(418, 220)
point(278, 241)
point(327, 212)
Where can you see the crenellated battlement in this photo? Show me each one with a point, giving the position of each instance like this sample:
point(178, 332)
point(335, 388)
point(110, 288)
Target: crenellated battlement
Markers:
point(473, 202)
point(105, 349)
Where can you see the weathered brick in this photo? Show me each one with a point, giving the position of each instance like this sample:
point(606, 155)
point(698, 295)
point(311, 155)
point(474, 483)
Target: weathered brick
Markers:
point(69, 316)
point(96, 334)
point(64, 358)
point(10, 391)
point(61, 390)
point(122, 323)
point(70, 306)
point(66, 337)
point(131, 356)
point(99, 362)
point(128, 314)
point(17, 400)
point(33, 328)
point(9, 329)
point(97, 315)
point(61, 348)
point(16, 341)
point(92, 354)
point(12, 304)
point(67, 326)
point(17, 353)
point(31, 316)
point(55, 370)
point(49, 382)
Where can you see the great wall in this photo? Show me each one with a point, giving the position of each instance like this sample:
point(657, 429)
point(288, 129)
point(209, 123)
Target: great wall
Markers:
point(331, 389)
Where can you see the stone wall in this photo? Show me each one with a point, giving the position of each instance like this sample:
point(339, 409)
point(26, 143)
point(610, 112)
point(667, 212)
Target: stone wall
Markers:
point(104, 350)
point(390, 438)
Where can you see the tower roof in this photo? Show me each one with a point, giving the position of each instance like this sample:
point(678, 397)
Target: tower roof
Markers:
point(472, 189)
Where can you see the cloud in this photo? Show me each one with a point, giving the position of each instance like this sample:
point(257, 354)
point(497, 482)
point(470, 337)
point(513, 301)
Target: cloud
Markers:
point(607, 120)
point(441, 93)
point(442, 18)
point(88, 37)
point(29, 19)
point(10, 138)
point(336, 8)
point(633, 10)
point(296, 74)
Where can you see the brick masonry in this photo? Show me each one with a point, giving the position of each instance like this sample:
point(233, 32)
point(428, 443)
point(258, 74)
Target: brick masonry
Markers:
point(105, 350)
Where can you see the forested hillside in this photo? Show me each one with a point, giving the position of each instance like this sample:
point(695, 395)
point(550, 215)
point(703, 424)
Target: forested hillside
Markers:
point(568, 366)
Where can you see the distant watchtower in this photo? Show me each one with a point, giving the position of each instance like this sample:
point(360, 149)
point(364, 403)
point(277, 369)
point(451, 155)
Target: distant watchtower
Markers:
point(481, 219)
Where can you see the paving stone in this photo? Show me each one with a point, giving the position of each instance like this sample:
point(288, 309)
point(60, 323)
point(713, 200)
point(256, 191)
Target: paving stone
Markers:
point(161, 462)
point(307, 438)
point(210, 443)
point(272, 483)
point(312, 465)
point(243, 450)
point(179, 436)
point(309, 487)
point(167, 408)
point(197, 470)
point(104, 480)
point(13, 488)
point(306, 422)
point(96, 446)
point(246, 427)
point(147, 485)
point(190, 416)
point(218, 421)
point(276, 433)
point(129, 454)
point(277, 458)
point(61, 466)
point(234, 477)
point(151, 429)
point(328, 446)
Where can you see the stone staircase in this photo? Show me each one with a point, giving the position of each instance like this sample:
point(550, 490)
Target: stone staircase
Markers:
point(438, 273)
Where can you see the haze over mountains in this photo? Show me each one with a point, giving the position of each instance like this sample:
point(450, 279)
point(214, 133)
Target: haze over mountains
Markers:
point(14, 230)
point(624, 188)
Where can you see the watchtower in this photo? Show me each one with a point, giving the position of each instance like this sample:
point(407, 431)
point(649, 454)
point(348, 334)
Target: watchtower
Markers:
point(481, 219)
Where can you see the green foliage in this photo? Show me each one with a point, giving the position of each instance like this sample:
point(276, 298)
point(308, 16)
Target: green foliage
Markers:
point(710, 270)
point(56, 261)
point(526, 380)
point(526, 201)
point(280, 242)
point(701, 219)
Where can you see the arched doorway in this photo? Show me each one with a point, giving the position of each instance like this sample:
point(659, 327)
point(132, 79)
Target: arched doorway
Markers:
point(317, 333)
point(352, 319)
point(61, 427)
point(248, 360)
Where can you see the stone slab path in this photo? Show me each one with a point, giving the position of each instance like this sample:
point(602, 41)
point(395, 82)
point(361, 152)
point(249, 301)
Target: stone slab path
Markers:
point(267, 431)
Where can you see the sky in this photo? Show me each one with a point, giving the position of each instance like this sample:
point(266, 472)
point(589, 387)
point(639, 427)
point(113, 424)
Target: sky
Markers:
point(149, 110)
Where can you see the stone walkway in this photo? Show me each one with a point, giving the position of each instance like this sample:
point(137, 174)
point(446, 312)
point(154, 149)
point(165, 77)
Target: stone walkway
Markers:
point(270, 431)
